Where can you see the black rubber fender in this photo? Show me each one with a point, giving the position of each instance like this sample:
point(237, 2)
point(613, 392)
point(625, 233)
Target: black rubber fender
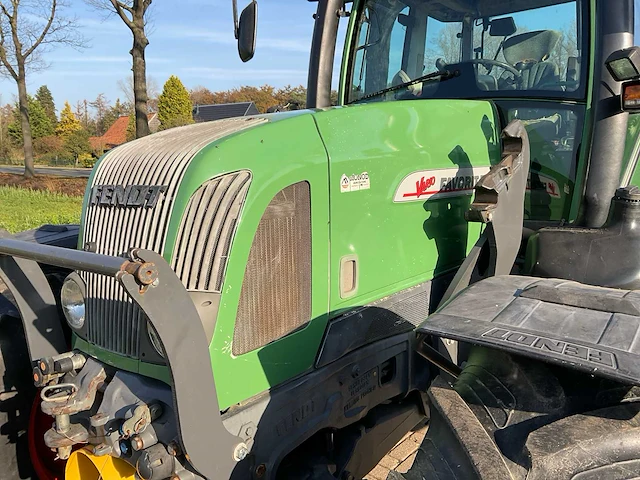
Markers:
point(16, 396)
point(16, 387)
point(507, 416)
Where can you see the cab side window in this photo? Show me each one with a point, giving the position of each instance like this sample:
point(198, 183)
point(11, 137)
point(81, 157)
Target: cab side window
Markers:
point(380, 59)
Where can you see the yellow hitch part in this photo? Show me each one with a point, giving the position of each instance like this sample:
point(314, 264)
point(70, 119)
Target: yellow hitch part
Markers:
point(84, 465)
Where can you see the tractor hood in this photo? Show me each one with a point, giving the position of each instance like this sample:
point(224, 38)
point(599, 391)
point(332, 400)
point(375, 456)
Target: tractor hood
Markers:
point(139, 187)
point(195, 195)
point(138, 183)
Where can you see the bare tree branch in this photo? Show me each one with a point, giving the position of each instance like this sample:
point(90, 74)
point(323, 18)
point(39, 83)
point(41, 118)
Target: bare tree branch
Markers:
point(3, 51)
point(133, 14)
point(122, 6)
point(126, 87)
point(45, 30)
point(120, 9)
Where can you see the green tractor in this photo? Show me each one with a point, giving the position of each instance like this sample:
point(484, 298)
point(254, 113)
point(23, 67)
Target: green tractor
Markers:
point(285, 296)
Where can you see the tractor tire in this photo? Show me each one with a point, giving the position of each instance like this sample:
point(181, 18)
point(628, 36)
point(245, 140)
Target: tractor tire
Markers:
point(507, 416)
point(16, 396)
point(22, 424)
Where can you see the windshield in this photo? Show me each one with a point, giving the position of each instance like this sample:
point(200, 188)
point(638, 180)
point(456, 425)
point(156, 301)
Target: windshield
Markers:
point(533, 52)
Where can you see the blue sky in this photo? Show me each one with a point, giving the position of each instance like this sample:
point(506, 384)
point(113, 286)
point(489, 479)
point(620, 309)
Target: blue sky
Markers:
point(192, 39)
point(636, 22)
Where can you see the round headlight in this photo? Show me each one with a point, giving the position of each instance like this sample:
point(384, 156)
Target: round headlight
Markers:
point(72, 300)
point(154, 338)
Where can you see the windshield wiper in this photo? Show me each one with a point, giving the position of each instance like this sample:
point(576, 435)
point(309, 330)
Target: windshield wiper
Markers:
point(442, 75)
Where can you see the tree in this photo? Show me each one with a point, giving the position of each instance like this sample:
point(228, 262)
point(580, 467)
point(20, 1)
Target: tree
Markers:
point(68, 122)
point(333, 96)
point(83, 116)
point(114, 113)
point(101, 106)
point(45, 98)
point(567, 47)
point(6, 116)
point(131, 128)
point(447, 48)
point(22, 39)
point(50, 144)
point(40, 123)
point(153, 90)
point(174, 105)
point(264, 96)
point(133, 14)
point(76, 143)
point(293, 97)
point(201, 96)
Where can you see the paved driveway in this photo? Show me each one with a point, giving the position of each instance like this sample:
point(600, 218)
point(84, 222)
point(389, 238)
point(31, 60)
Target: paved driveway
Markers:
point(401, 458)
point(54, 171)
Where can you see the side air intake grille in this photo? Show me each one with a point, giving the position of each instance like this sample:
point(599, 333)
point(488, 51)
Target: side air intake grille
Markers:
point(204, 238)
point(276, 291)
point(114, 322)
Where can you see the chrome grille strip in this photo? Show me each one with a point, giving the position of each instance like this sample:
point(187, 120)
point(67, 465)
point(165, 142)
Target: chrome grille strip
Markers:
point(217, 248)
point(203, 242)
point(113, 321)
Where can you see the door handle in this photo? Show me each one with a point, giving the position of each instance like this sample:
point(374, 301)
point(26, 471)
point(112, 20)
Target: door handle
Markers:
point(349, 272)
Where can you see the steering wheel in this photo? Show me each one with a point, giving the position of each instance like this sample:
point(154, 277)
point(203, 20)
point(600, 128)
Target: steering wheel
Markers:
point(488, 62)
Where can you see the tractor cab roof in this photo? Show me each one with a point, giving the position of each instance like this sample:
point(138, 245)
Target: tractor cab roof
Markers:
point(456, 10)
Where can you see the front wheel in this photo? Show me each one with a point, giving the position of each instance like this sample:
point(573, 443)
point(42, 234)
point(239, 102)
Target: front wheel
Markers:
point(23, 454)
point(43, 460)
point(16, 397)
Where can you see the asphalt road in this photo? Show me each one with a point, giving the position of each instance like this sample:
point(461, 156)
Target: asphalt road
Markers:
point(54, 171)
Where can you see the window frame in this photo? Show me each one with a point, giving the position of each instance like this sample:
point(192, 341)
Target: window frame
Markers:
point(583, 12)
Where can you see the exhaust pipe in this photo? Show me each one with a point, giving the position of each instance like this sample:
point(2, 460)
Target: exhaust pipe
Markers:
point(84, 465)
point(607, 149)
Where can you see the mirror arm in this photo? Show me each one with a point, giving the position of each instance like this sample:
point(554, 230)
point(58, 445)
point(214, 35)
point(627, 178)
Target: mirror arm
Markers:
point(234, 4)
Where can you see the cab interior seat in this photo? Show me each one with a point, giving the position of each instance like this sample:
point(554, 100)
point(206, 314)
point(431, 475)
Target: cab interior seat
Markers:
point(529, 53)
point(487, 82)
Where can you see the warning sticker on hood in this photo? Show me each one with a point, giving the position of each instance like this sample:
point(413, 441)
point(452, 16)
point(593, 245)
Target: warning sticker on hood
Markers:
point(353, 183)
point(439, 183)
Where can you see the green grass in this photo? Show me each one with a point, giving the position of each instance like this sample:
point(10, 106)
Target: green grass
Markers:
point(22, 209)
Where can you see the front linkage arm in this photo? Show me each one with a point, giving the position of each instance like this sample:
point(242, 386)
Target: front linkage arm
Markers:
point(153, 285)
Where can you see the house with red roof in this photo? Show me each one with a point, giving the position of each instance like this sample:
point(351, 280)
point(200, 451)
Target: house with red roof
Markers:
point(117, 133)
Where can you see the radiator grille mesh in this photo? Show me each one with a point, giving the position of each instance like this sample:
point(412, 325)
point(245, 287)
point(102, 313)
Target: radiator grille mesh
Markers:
point(276, 291)
point(113, 321)
point(204, 239)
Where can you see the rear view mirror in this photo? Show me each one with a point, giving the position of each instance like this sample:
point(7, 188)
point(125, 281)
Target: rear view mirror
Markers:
point(502, 27)
point(246, 32)
point(405, 20)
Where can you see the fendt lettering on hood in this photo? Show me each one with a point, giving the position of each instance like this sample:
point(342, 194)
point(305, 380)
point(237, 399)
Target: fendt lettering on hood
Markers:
point(146, 196)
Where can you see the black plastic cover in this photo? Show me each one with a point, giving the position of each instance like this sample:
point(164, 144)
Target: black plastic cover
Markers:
point(606, 256)
point(507, 417)
point(56, 235)
point(592, 329)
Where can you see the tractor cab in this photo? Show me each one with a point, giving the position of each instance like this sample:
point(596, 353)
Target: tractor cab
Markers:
point(529, 57)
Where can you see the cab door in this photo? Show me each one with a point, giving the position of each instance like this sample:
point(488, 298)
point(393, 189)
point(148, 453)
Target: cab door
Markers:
point(401, 173)
point(401, 177)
